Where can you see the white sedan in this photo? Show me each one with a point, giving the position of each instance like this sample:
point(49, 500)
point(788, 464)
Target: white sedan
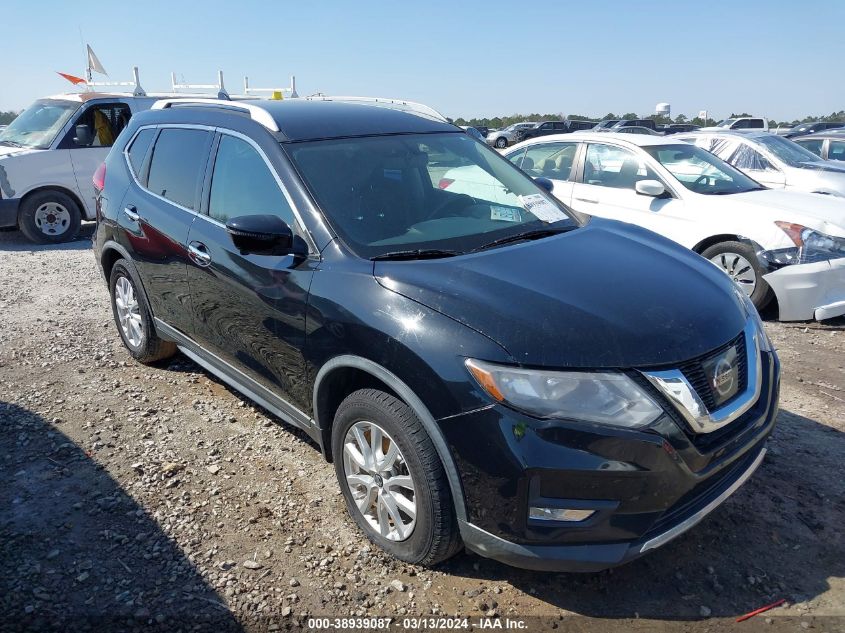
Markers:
point(773, 243)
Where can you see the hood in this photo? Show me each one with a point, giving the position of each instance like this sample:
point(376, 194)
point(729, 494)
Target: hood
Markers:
point(607, 295)
point(6, 151)
point(818, 211)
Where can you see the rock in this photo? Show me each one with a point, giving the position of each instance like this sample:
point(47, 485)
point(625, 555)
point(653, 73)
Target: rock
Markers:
point(252, 564)
point(294, 582)
point(397, 585)
point(286, 611)
point(705, 611)
point(213, 469)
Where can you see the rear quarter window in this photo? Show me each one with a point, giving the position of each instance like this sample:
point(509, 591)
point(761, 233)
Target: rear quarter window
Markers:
point(137, 150)
point(179, 159)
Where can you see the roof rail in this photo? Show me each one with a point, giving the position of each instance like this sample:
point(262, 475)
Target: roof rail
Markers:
point(396, 104)
point(135, 83)
point(256, 113)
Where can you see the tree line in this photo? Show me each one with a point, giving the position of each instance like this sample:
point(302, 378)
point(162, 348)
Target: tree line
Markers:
point(7, 117)
point(505, 121)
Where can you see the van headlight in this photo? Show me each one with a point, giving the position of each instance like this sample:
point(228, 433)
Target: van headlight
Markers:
point(810, 245)
point(610, 398)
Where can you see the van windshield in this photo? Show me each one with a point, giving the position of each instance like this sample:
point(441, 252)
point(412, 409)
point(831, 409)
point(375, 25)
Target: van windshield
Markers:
point(37, 126)
point(422, 192)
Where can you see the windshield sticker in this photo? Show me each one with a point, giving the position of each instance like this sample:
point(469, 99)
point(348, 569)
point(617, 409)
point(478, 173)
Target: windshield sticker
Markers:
point(538, 205)
point(507, 214)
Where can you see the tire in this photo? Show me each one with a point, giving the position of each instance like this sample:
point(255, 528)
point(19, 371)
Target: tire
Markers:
point(432, 536)
point(747, 274)
point(146, 347)
point(49, 217)
point(501, 142)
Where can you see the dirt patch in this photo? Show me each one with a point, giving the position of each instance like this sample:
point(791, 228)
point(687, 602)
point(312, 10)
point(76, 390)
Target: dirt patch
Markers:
point(140, 496)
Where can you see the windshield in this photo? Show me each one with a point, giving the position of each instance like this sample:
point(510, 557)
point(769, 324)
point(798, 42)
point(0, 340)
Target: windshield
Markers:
point(445, 192)
point(788, 151)
point(700, 171)
point(37, 126)
point(726, 123)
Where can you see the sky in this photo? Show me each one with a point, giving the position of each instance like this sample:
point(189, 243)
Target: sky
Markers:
point(778, 59)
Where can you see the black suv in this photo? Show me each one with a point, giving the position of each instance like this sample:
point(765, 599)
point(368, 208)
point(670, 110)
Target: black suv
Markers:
point(482, 366)
point(545, 128)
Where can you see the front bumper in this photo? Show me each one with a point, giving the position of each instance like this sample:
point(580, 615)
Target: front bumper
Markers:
point(645, 487)
point(9, 212)
point(809, 291)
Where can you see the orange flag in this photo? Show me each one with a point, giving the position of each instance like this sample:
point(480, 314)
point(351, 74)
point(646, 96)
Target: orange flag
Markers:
point(72, 79)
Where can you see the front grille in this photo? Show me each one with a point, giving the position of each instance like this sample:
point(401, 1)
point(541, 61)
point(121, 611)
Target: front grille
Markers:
point(694, 372)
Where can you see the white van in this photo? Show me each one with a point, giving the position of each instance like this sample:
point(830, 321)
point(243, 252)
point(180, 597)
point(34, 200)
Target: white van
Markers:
point(48, 156)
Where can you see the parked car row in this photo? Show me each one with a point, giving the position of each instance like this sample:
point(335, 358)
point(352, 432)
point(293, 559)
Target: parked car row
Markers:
point(480, 362)
point(530, 129)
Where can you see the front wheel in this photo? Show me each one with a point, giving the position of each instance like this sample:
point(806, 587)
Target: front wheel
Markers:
point(392, 479)
point(501, 142)
point(740, 263)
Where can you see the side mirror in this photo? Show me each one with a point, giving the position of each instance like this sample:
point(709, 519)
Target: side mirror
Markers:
point(84, 137)
point(650, 188)
point(262, 235)
point(545, 183)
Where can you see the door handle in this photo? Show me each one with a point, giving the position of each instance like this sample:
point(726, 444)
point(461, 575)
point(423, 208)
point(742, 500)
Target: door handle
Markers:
point(199, 253)
point(131, 213)
point(590, 200)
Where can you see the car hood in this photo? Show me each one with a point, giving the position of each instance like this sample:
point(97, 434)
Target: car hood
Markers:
point(608, 295)
point(818, 211)
point(6, 151)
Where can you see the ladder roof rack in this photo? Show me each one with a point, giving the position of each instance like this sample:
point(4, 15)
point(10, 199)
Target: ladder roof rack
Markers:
point(396, 104)
point(137, 91)
point(256, 113)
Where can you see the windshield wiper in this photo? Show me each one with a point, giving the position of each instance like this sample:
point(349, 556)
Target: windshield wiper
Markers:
point(420, 253)
point(535, 234)
point(11, 143)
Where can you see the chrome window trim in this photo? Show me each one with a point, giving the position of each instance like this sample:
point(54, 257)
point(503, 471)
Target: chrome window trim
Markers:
point(674, 385)
point(312, 246)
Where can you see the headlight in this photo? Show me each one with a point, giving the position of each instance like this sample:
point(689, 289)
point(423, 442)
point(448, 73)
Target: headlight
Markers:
point(604, 397)
point(810, 246)
point(751, 313)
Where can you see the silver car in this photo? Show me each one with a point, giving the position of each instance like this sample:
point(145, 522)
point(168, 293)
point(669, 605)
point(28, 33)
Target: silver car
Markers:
point(507, 136)
point(773, 160)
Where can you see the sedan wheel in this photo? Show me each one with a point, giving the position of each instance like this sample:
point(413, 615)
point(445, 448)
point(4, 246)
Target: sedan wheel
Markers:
point(739, 269)
point(379, 481)
point(501, 142)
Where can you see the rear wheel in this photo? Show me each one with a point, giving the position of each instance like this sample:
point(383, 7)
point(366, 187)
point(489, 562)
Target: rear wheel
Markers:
point(501, 142)
point(740, 263)
point(133, 317)
point(392, 479)
point(49, 217)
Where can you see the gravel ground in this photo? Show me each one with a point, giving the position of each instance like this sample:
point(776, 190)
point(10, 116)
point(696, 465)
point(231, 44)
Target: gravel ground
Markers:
point(156, 498)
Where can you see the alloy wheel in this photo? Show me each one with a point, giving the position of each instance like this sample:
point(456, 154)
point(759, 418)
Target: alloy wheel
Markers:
point(52, 218)
point(128, 312)
point(739, 269)
point(379, 481)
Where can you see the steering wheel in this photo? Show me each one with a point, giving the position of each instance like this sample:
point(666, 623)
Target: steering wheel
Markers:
point(462, 199)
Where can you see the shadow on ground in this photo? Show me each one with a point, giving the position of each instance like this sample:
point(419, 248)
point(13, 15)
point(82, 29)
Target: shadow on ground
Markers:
point(78, 553)
point(780, 536)
point(15, 241)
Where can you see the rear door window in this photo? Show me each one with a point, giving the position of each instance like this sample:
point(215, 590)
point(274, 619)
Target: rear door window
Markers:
point(746, 157)
point(178, 162)
point(836, 150)
point(813, 144)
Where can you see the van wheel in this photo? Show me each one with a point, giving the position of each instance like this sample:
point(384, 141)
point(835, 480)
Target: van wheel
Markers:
point(133, 317)
point(49, 217)
point(393, 482)
point(740, 263)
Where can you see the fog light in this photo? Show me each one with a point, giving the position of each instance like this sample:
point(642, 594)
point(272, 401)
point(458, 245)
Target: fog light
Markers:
point(560, 514)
